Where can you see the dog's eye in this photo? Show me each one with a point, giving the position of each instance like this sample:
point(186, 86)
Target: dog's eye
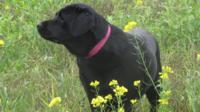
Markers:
point(59, 16)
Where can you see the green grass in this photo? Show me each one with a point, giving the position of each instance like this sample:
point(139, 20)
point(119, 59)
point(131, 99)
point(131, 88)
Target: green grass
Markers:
point(33, 70)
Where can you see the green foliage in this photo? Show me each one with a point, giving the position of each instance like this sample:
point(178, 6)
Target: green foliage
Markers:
point(33, 71)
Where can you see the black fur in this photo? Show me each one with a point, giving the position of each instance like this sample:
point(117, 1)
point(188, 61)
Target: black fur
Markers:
point(125, 57)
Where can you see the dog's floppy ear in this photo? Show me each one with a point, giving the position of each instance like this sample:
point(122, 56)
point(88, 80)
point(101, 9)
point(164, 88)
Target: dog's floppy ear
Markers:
point(82, 23)
point(79, 18)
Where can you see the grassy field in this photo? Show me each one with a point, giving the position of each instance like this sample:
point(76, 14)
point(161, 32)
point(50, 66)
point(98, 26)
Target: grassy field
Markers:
point(33, 71)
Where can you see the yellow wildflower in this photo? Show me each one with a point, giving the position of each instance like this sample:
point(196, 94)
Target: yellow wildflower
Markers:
point(133, 101)
point(167, 69)
point(1, 42)
point(163, 101)
point(164, 76)
point(139, 2)
point(130, 26)
point(54, 101)
point(7, 7)
point(127, 28)
point(136, 83)
point(198, 57)
point(120, 90)
point(113, 83)
point(94, 83)
point(108, 97)
point(121, 109)
point(98, 101)
point(167, 93)
point(132, 23)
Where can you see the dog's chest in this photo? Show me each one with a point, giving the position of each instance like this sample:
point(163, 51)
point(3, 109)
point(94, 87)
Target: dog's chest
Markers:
point(115, 68)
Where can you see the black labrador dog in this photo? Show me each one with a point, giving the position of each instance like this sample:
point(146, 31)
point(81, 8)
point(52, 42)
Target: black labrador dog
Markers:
point(105, 52)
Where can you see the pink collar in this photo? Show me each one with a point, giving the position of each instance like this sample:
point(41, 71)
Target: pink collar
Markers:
point(100, 44)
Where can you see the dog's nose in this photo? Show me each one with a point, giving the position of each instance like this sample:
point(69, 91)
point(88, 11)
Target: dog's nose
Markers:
point(40, 28)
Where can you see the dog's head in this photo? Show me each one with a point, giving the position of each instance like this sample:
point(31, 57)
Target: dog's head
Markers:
point(71, 27)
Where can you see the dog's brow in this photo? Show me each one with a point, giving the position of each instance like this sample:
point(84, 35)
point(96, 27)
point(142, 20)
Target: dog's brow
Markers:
point(57, 13)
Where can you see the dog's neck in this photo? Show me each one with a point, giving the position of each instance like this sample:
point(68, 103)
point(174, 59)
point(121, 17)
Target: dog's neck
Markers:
point(100, 28)
point(101, 31)
point(111, 55)
point(108, 49)
point(116, 36)
point(100, 44)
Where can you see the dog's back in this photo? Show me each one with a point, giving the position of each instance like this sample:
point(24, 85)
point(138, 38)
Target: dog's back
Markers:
point(146, 38)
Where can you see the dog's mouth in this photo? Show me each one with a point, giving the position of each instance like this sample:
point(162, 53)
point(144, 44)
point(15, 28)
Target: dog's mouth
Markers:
point(53, 40)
